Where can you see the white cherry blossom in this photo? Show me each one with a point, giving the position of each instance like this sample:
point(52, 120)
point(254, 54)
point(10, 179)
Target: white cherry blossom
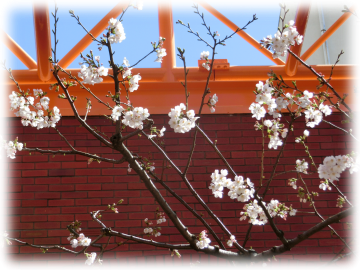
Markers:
point(118, 29)
point(90, 258)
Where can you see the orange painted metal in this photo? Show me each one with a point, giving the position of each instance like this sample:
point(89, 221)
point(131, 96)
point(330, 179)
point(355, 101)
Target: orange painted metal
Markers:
point(43, 40)
point(301, 19)
point(18, 51)
point(159, 97)
point(253, 42)
point(95, 31)
point(327, 34)
point(30, 76)
point(160, 89)
point(259, 73)
point(219, 64)
point(234, 73)
point(166, 30)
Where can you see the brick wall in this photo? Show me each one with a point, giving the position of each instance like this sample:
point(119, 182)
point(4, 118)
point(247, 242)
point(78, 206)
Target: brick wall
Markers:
point(47, 193)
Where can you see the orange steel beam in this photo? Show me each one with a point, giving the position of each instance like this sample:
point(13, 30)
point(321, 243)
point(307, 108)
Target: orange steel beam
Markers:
point(253, 42)
point(30, 76)
point(43, 40)
point(18, 51)
point(86, 40)
point(234, 96)
point(327, 34)
point(166, 30)
point(301, 19)
point(234, 73)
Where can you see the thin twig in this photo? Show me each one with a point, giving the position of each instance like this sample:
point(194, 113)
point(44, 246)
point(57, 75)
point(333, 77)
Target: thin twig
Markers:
point(318, 214)
point(347, 132)
point(321, 79)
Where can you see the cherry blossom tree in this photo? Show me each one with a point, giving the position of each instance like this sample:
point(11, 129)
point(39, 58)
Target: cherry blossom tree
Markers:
point(276, 108)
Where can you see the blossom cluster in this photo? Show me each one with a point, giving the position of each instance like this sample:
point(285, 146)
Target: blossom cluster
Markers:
point(204, 56)
point(161, 219)
point(80, 241)
point(324, 185)
point(266, 95)
point(332, 167)
point(11, 147)
point(160, 52)
point(314, 116)
point(292, 183)
point(180, 121)
point(34, 118)
point(175, 252)
point(283, 40)
point(135, 118)
point(274, 127)
point(340, 201)
point(133, 79)
point(204, 241)
point(132, 118)
point(6, 240)
point(117, 30)
point(160, 133)
point(301, 166)
point(231, 241)
point(239, 189)
point(90, 258)
point(153, 231)
point(91, 74)
point(257, 216)
point(212, 102)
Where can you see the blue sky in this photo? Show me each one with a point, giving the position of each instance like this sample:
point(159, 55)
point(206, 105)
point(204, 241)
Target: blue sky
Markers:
point(141, 27)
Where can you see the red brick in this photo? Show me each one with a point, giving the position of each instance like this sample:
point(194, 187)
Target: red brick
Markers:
point(114, 186)
point(21, 166)
point(47, 195)
point(33, 234)
point(99, 194)
point(21, 226)
point(87, 172)
point(88, 187)
point(74, 195)
point(21, 196)
point(73, 210)
point(61, 187)
point(33, 218)
point(34, 173)
point(37, 188)
point(88, 202)
point(32, 203)
point(47, 210)
point(61, 172)
point(128, 223)
point(47, 180)
point(62, 202)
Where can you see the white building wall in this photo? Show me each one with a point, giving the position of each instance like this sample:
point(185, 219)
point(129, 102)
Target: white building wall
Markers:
point(324, 14)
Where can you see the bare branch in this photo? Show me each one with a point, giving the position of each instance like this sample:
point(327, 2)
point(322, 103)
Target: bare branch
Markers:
point(196, 195)
point(73, 152)
point(76, 114)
